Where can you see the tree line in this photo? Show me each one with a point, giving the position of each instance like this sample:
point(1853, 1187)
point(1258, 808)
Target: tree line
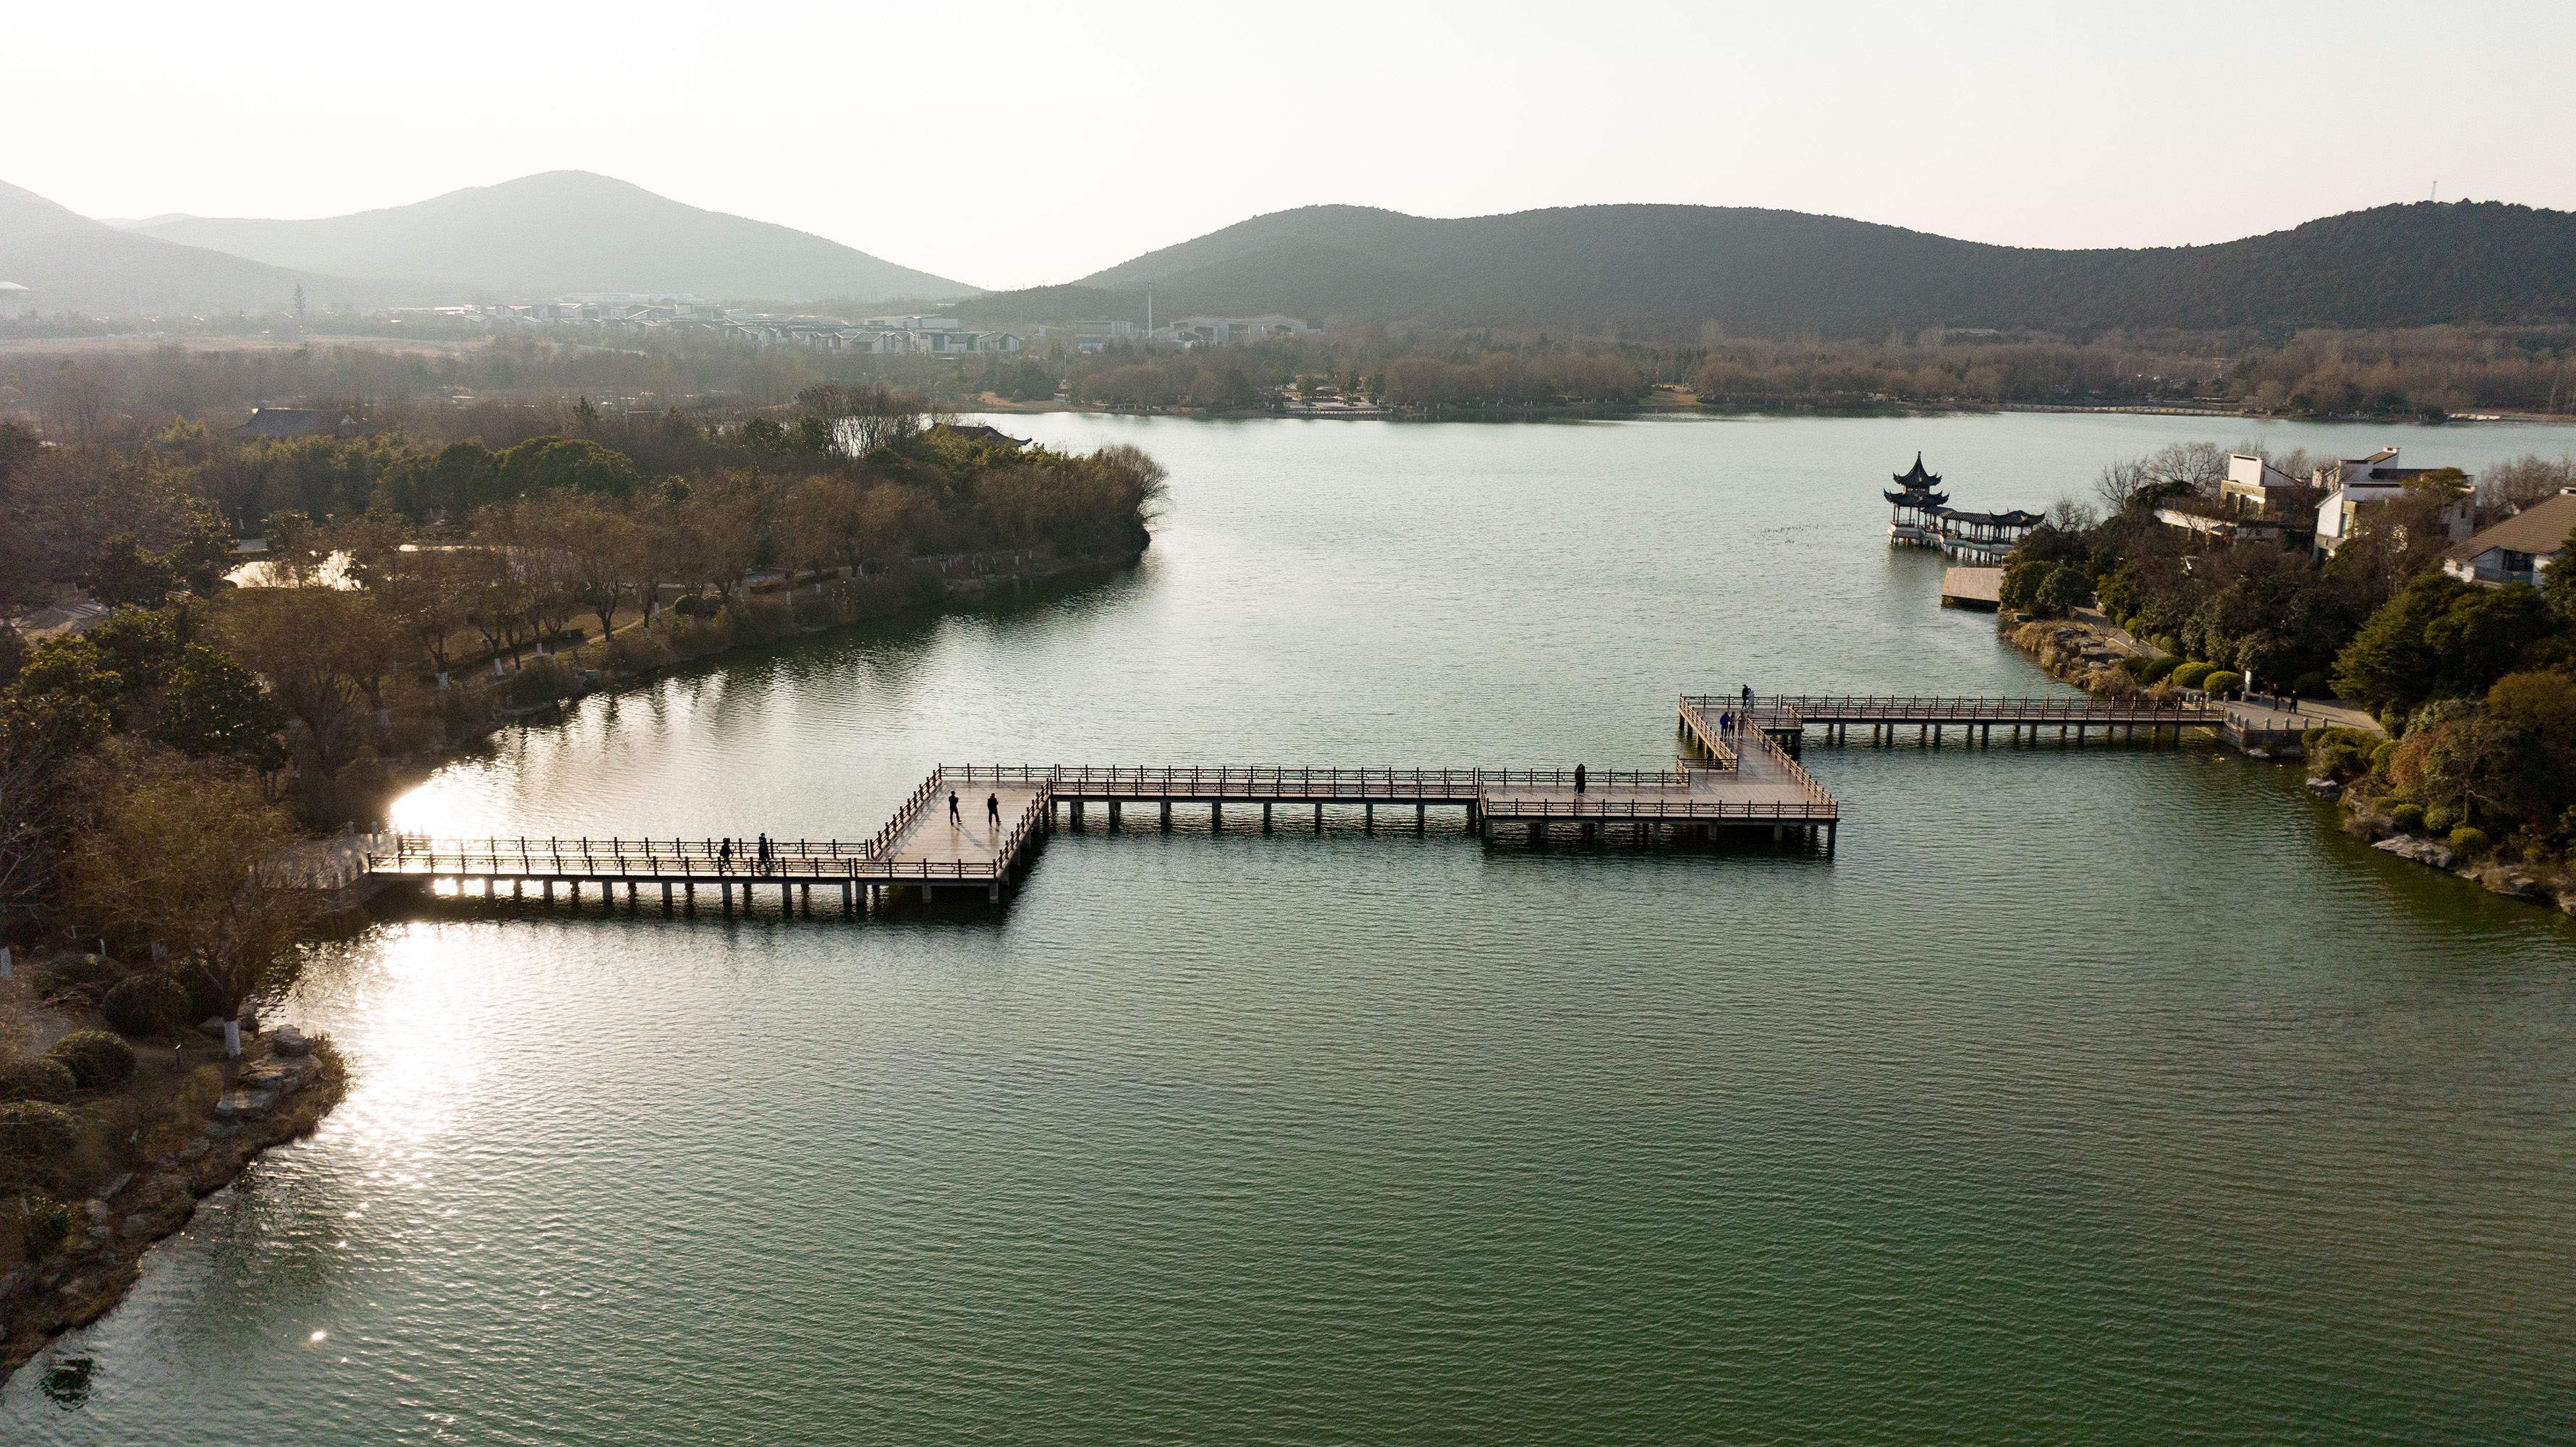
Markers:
point(2475, 685)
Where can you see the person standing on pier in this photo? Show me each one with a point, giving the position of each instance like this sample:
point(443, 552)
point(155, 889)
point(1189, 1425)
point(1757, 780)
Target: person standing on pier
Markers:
point(993, 810)
point(1578, 778)
point(954, 818)
point(764, 853)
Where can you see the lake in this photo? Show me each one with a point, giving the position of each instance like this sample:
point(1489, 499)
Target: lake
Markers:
point(2100, 1094)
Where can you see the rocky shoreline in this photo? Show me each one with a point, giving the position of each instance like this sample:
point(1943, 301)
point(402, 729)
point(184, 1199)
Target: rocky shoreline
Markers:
point(277, 1092)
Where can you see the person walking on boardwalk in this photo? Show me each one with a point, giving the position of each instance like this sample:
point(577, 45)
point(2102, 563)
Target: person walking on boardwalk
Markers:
point(764, 853)
point(724, 855)
point(954, 818)
point(1578, 778)
point(993, 810)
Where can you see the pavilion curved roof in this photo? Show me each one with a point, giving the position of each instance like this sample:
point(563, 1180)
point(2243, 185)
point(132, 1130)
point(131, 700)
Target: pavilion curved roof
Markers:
point(1918, 497)
point(1915, 479)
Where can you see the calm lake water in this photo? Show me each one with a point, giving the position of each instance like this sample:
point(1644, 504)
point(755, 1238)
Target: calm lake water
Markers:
point(2102, 1095)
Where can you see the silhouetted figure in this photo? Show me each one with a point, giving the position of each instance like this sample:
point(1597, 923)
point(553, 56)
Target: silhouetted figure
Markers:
point(954, 818)
point(724, 855)
point(764, 853)
point(1578, 778)
point(993, 809)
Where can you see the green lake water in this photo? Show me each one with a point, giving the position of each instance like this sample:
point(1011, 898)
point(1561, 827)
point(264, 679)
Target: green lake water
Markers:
point(2098, 1095)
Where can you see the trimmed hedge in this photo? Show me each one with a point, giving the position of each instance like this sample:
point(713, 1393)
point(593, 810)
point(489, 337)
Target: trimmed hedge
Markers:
point(2441, 819)
point(2407, 818)
point(2225, 680)
point(2379, 757)
point(2189, 675)
point(2311, 685)
point(2159, 669)
point(2470, 843)
point(2337, 753)
point(146, 1004)
point(37, 1078)
point(33, 1132)
point(94, 1057)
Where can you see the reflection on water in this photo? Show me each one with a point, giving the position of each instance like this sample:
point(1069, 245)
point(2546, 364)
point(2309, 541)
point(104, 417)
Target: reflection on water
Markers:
point(2100, 1094)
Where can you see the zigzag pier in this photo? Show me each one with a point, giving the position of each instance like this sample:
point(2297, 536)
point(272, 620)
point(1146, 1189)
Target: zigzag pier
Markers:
point(976, 827)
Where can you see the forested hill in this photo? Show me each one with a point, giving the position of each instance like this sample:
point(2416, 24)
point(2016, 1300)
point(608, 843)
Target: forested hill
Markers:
point(1663, 271)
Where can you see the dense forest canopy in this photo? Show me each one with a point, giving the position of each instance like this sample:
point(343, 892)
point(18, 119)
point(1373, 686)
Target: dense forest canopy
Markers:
point(1676, 273)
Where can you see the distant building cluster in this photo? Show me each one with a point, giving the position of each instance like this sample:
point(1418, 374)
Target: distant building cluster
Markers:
point(1091, 336)
point(637, 314)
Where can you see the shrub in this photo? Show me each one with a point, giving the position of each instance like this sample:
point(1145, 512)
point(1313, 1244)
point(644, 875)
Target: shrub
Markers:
point(2159, 669)
point(149, 1003)
point(35, 1137)
point(2189, 675)
point(2337, 753)
point(2311, 684)
point(545, 682)
point(36, 1078)
point(94, 1057)
point(76, 979)
point(2470, 843)
point(2379, 758)
point(637, 651)
point(2440, 819)
point(45, 1226)
point(2223, 681)
point(2407, 818)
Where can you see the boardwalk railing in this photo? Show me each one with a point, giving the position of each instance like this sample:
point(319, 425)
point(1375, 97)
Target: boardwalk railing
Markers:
point(676, 859)
point(1818, 808)
point(1291, 782)
point(1959, 708)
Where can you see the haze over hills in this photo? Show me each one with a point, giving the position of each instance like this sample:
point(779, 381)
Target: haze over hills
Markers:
point(563, 231)
point(77, 264)
point(1665, 271)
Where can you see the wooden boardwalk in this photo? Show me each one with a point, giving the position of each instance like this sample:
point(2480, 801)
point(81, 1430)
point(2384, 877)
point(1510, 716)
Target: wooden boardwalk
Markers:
point(1787, 717)
point(1739, 768)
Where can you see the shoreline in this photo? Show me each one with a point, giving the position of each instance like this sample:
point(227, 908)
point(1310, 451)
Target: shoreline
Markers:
point(2362, 816)
point(278, 1092)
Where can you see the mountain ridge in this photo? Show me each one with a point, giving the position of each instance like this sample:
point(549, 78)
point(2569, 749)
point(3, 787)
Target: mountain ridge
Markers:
point(559, 231)
point(1670, 271)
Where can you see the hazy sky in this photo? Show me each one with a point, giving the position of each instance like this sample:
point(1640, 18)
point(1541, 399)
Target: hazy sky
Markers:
point(1008, 145)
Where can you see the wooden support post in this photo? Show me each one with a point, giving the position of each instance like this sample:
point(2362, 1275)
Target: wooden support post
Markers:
point(547, 888)
point(1829, 837)
point(1216, 815)
point(1538, 831)
point(786, 898)
point(1319, 816)
point(1775, 833)
point(1265, 816)
point(1113, 816)
point(805, 899)
point(1587, 831)
point(993, 892)
point(847, 890)
point(1421, 818)
point(1368, 818)
point(666, 896)
point(1167, 814)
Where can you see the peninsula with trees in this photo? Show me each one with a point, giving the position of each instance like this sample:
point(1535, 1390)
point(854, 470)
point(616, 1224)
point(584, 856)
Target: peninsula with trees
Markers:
point(185, 719)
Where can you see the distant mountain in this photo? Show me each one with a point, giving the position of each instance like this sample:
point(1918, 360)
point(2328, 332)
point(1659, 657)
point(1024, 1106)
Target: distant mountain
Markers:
point(24, 214)
point(1665, 271)
point(76, 264)
point(564, 231)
